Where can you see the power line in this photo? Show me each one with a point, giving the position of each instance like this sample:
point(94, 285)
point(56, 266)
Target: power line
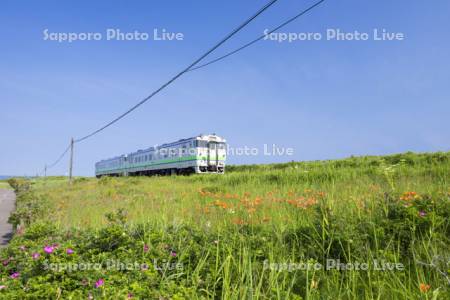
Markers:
point(59, 158)
point(260, 11)
point(56, 161)
point(259, 38)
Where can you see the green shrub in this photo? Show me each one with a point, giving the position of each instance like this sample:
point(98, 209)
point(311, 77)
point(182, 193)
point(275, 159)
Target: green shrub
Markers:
point(19, 185)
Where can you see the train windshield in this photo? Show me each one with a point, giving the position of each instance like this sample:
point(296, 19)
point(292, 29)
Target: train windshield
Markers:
point(221, 146)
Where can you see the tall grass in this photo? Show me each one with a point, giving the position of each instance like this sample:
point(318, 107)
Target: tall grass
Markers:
point(238, 232)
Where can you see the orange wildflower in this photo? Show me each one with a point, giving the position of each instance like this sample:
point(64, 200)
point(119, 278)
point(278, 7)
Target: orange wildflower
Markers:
point(424, 287)
point(220, 204)
point(409, 196)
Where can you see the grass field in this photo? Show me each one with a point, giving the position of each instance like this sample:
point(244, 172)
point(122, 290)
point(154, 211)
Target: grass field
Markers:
point(359, 228)
point(4, 185)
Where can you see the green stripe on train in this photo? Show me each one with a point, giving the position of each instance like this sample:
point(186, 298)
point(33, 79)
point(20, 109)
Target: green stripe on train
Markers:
point(162, 162)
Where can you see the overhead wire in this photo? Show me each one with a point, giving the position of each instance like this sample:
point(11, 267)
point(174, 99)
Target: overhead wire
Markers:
point(231, 34)
point(303, 12)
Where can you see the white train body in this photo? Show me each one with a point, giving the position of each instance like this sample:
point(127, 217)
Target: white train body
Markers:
point(200, 154)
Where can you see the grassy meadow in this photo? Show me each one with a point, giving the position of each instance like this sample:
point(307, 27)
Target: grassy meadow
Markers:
point(4, 185)
point(357, 228)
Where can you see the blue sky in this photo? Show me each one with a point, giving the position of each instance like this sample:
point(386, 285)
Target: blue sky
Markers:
point(325, 99)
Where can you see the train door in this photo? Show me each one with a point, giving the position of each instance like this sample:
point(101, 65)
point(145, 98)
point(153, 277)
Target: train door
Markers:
point(213, 156)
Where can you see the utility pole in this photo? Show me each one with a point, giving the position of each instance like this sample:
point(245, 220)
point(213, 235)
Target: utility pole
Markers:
point(71, 161)
point(45, 171)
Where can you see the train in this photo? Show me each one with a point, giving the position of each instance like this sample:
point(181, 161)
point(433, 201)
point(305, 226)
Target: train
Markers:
point(202, 154)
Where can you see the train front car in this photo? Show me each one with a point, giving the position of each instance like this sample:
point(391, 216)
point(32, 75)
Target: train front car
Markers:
point(211, 154)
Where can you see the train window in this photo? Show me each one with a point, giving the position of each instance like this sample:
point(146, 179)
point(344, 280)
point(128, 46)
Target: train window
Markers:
point(202, 143)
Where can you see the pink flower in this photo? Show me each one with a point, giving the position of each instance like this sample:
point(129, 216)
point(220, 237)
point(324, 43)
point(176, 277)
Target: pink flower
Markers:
point(99, 283)
point(130, 295)
point(6, 262)
point(15, 275)
point(2, 287)
point(49, 249)
point(35, 255)
point(23, 248)
point(69, 251)
point(146, 248)
point(422, 213)
point(173, 253)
